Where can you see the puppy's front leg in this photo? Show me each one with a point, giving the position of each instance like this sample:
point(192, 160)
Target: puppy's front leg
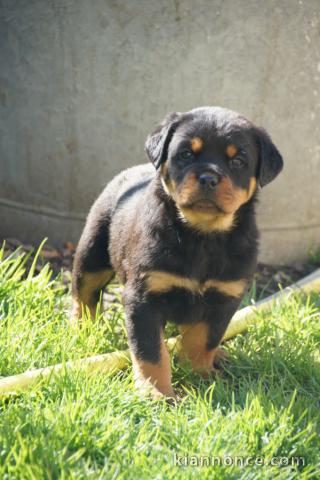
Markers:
point(200, 340)
point(153, 376)
point(150, 357)
point(196, 349)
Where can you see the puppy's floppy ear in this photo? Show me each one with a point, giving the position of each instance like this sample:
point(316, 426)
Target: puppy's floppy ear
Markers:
point(271, 162)
point(157, 142)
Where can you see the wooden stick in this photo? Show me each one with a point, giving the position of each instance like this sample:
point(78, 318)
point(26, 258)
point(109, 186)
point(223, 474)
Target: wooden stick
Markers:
point(112, 362)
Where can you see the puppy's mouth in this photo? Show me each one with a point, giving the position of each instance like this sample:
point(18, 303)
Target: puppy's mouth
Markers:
point(204, 205)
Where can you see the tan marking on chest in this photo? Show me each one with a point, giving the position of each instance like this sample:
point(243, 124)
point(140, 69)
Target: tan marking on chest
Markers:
point(234, 288)
point(160, 282)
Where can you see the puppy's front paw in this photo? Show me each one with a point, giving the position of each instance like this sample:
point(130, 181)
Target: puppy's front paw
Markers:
point(220, 357)
point(206, 362)
point(149, 390)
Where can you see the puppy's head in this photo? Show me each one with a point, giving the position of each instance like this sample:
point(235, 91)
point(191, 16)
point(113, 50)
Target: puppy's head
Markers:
point(211, 160)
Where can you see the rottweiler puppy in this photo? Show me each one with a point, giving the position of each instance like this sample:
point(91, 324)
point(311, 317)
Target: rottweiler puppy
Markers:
point(181, 236)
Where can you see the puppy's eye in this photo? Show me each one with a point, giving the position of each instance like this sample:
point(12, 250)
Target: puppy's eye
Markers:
point(186, 155)
point(236, 162)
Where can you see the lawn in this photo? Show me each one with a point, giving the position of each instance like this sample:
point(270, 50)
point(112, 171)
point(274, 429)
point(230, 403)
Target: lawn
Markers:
point(263, 410)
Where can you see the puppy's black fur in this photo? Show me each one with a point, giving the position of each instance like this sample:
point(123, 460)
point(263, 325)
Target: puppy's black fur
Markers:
point(180, 234)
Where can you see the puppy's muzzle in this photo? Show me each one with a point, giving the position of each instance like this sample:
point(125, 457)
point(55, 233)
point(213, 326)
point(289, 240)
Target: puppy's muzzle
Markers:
point(208, 180)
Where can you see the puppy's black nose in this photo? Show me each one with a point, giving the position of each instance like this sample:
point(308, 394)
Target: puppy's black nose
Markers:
point(209, 180)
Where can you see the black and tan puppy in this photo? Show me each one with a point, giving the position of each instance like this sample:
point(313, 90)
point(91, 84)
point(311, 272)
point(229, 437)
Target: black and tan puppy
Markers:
point(181, 236)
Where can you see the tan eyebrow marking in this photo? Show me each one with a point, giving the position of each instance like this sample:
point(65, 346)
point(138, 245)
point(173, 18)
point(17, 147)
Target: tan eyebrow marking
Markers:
point(196, 144)
point(231, 150)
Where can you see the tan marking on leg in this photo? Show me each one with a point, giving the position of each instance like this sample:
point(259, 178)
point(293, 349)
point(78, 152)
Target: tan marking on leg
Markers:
point(234, 288)
point(75, 311)
point(194, 339)
point(151, 378)
point(89, 284)
point(231, 150)
point(196, 144)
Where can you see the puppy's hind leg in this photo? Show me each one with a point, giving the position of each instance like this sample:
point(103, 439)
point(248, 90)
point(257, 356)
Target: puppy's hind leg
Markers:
point(87, 289)
point(92, 269)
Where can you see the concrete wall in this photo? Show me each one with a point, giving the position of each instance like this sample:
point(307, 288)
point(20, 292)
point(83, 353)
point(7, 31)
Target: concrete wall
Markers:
point(83, 82)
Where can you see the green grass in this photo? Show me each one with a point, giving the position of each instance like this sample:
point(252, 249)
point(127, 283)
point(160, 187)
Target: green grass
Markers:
point(264, 406)
point(314, 256)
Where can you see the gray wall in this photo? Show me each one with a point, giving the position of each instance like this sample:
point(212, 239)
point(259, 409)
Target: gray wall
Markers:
point(83, 82)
